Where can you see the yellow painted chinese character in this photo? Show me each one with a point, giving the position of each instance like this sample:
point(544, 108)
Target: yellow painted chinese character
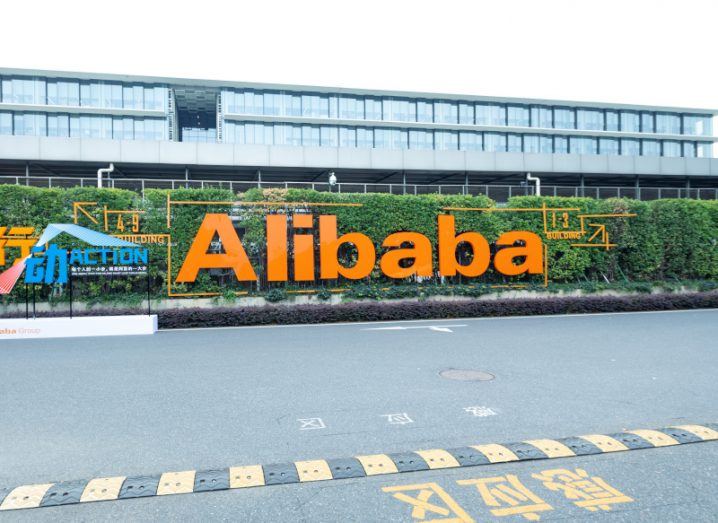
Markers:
point(509, 496)
point(448, 510)
point(16, 237)
point(593, 492)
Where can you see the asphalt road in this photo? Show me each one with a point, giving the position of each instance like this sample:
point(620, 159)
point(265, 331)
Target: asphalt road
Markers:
point(201, 399)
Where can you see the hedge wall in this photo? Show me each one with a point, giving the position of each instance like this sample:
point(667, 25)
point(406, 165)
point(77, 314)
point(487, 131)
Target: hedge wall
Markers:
point(667, 239)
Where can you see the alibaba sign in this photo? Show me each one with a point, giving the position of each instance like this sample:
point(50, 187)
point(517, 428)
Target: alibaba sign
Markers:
point(405, 253)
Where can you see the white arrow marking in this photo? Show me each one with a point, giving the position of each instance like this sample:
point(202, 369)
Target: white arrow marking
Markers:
point(435, 328)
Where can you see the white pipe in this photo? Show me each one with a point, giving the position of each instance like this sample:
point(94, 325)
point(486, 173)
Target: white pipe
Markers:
point(100, 172)
point(536, 179)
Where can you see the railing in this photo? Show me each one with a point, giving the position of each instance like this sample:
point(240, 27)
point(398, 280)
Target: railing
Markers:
point(499, 193)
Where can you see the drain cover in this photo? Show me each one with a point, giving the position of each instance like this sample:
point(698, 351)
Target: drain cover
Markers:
point(466, 375)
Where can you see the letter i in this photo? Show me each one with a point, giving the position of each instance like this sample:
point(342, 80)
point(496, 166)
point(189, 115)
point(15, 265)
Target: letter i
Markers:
point(303, 248)
point(277, 247)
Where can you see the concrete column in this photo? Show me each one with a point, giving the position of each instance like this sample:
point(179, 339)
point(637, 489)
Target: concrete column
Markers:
point(638, 188)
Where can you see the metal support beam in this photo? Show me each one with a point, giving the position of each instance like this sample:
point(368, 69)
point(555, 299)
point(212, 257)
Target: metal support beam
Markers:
point(582, 181)
point(259, 179)
point(638, 188)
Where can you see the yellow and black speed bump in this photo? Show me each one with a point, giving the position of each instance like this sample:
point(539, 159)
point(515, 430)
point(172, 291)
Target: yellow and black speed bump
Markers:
point(121, 487)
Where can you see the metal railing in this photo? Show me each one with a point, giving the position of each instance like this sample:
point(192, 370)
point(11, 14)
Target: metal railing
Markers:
point(498, 193)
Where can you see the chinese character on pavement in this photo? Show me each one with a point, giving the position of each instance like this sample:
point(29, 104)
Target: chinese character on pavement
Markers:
point(311, 423)
point(441, 507)
point(42, 268)
point(16, 237)
point(398, 419)
point(480, 412)
point(592, 493)
point(507, 496)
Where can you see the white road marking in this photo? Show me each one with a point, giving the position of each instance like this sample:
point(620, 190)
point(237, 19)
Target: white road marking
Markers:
point(436, 328)
point(398, 419)
point(311, 423)
point(480, 411)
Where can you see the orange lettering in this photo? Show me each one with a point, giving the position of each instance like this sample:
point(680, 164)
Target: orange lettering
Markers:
point(329, 248)
point(448, 242)
point(277, 247)
point(233, 257)
point(531, 250)
point(420, 253)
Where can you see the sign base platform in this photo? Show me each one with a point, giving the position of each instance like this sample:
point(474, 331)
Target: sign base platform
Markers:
point(21, 328)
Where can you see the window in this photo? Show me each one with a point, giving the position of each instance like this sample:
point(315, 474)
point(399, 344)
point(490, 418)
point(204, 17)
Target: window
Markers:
point(564, 118)
point(329, 136)
point(466, 114)
point(288, 134)
point(6, 123)
point(446, 112)
point(531, 143)
point(579, 145)
point(514, 143)
point(469, 141)
point(390, 139)
point(250, 102)
point(608, 146)
point(446, 140)
point(420, 139)
point(347, 137)
point(399, 110)
point(589, 119)
point(650, 148)
point(546, 144)
point(490, 114)
point(705, 150)
point(612, 121)
point(560, 144)
point(30, 124)
point(365, 137)
point(647, 123)
point(518, 115)
point(24, 91)
point(697, 125)
point(494, 142)
point(310, 136)
point(671, 148)
point(351, 108)
point(315, 106)
point(668, 123)
point(372, 108)
point(630, 147)
point(272, 104)
point(541, 116)
point(424, 111)
point(689, 149)
point(630, 122)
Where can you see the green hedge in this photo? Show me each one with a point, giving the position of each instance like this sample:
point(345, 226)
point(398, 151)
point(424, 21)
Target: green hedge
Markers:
point(668, 239)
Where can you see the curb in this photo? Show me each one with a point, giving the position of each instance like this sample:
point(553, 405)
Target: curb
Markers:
point(185, 482)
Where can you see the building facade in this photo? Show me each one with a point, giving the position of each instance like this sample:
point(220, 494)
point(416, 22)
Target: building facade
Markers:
point(69, 124)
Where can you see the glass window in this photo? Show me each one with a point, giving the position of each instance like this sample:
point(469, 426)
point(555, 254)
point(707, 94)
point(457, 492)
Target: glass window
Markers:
point(310, 136)
point(287, 134)
point(329, 136)
point(494, 142)
point(541, 116)
point(671, 148)
point(351, 108)
point(647, 123)
point(470, 141)
point(612, 121)
point(365, 137)
point(347, 137)
point(6, 123)
point(630, 147)
point(546, 144)
point(24, 91)
point(705, 150)
point(630, 122)
point(564, 118)
point(292, 104)
point(490, 114)
point(513, 144)
point(250, 102)
point(667, 123)
point(689, 149)
point(697, 125)
point(650, 148)
point(333, 106)
point(466, 113)
point(608, 146)
point(258, 134)
point(446, 140)
point(372, 108)
point(560, 144)
point(581, 145)
point(518, 115)
point(398, 110)
point(315, 106)
point(446, 112)
point(128, 101)
point(421, 139)
point(75, 126)
point(272, 103)
point(30, 124)
point(589, 119)
point(424, 111)
point(531, 143)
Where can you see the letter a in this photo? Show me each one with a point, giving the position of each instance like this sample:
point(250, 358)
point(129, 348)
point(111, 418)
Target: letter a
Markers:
point(532, 251)
point(233, 257)
point(448, 242)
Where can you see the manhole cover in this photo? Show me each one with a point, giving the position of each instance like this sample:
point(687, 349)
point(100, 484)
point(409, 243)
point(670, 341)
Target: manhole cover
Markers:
point(466, 375)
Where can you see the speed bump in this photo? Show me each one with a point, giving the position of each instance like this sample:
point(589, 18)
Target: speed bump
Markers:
point(238, 477)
